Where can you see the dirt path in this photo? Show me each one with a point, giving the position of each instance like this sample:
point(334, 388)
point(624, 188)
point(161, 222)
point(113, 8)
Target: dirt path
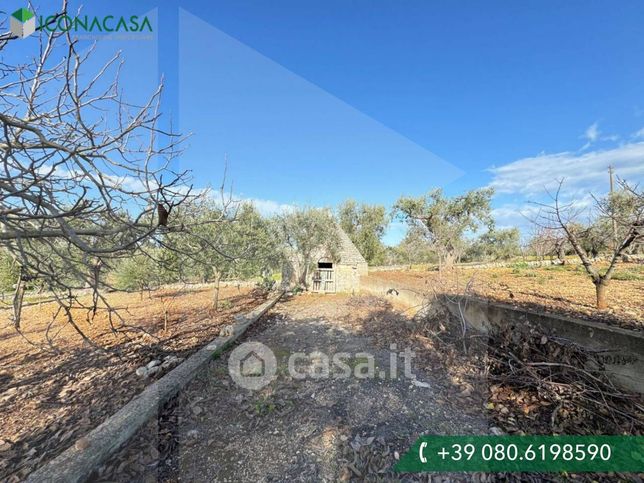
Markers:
point(304, 429)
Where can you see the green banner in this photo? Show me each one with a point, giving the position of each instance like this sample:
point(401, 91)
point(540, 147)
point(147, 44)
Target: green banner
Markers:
point(572, 454)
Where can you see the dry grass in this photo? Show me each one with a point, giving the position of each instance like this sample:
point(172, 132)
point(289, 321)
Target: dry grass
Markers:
point(48, 400)
point(560, 289)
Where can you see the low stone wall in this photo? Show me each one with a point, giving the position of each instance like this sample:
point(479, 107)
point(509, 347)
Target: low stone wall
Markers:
point(78, 462)
point(473, 265)
point(200, 286)
point(620, 350)
point(393, 268)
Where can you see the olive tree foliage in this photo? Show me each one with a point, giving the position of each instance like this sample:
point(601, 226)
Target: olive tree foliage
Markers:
point(623, 209)
point(138, 272)
point(223, 240)
point(9, 271)
point(305, 235)
point(496, 244)
point(365, 225)
point(445, 221)
point(412, 249)
point(86, 173)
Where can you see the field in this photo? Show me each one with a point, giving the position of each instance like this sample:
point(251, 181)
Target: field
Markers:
point(555, 288)
point(50, 398)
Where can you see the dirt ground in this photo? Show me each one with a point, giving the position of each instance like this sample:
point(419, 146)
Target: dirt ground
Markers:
point(310, 429)
point(49, 399)
point(554, 288)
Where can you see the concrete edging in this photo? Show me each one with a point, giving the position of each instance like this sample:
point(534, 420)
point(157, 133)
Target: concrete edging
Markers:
point(621, 351)
point(76, 465)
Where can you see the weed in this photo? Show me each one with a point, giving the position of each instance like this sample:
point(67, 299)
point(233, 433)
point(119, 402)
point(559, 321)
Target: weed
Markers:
point(225, 304)
point(264, 406)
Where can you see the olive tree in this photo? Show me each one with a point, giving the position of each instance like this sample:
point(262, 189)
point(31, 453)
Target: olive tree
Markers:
point(413, 248)
point(222, 239)
point(445, 221)
point(496, 244)
point(304, 235)
point(365, 225)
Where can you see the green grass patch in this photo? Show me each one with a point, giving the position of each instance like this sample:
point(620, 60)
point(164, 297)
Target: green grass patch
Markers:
point(519, 266)
point(264, 406)
point(628, 275)
point(556, 268)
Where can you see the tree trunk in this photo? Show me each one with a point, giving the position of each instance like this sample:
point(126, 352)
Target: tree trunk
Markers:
point(305, 276)
point(600, 289)
point(215, 302)
point(561, 255)
point(17, 301)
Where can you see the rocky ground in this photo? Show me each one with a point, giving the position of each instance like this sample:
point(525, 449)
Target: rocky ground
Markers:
point(310, 429)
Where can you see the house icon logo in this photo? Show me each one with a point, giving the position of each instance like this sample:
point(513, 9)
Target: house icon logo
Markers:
point(252, 365)
point(22, 23)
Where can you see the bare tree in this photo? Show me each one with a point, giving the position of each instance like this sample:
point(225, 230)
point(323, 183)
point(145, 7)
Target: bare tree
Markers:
point(562, 218)
point(86, 175)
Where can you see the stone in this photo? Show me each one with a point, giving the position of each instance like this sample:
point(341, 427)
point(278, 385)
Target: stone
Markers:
point(345, 474)
point(466, 392)
point(418, 383)
point(153, 370)
point(153, 363)
point(142, 372)
point(82, 444)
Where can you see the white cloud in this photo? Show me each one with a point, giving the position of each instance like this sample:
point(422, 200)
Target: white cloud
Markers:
point(582, 172)
point(523, 213)
point(269, 207)
point(639, 134)
point(592, 133)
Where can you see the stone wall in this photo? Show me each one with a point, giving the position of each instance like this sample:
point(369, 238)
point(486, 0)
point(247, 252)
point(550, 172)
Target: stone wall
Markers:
point(347, 278)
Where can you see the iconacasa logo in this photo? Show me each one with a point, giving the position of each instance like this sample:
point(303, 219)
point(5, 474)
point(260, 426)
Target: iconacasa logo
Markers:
point(23, 23)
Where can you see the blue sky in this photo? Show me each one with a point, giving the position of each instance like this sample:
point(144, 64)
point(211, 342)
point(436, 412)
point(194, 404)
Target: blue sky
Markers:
point(314, 102)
